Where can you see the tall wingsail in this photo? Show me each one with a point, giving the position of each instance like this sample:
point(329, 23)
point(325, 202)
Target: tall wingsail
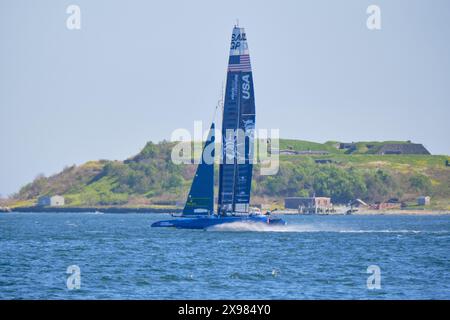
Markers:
point(200, 200)
point(238, 125)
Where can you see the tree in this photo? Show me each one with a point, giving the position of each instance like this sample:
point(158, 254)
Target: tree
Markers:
point(420, 183)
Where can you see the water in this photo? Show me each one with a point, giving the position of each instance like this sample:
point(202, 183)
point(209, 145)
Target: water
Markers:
point(315, 257)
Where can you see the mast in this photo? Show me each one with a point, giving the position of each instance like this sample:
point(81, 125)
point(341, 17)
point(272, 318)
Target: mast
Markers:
point(238, 124)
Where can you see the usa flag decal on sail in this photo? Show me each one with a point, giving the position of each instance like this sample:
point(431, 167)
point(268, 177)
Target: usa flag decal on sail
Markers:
point(239, 63)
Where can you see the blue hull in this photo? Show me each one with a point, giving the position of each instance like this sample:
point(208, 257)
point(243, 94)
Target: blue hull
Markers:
point(209, 221)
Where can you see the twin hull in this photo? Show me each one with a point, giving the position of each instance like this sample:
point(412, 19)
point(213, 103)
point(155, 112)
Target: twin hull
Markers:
point(209, 221)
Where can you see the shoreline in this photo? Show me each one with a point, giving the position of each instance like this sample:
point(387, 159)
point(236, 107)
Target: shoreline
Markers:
point(95, 209)
point(404, 212)
point(171, 210)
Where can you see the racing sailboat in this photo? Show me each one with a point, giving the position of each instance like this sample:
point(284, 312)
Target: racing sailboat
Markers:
point(235, 171)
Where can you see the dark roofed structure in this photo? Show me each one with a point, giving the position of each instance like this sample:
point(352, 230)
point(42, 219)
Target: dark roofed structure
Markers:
point(403, 148)
point(303, 152)
point(347, 146)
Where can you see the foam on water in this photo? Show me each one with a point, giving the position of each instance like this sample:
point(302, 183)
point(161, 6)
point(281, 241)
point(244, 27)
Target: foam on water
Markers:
point(262, 227)
point(94, 212)
point(256, 227)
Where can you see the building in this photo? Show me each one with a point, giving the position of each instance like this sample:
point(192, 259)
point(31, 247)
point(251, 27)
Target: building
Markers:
point(386, 206)
point(347, 146)
point(358, 203)
point(309, 204)
point(290, 152)
point(423, 200)
point(313, 152)
point(51, 201)
point(403, 148)
point(324, 161)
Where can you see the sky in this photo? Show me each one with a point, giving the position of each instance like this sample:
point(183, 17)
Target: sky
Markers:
point(137, 70)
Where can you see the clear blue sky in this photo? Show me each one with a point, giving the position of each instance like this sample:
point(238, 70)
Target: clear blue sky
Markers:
point(137, 70)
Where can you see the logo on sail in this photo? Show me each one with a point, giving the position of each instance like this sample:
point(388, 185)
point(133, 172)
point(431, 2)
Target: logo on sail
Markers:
point(246, 87)
point(236, 39)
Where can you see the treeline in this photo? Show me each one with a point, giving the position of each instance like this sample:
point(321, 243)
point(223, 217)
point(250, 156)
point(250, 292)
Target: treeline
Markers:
point(342, 184)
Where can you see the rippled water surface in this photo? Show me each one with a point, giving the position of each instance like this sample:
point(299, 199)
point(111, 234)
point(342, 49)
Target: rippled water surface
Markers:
point(314, 257)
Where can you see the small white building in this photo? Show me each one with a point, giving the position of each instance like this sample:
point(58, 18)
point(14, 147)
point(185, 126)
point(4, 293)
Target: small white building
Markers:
point(423, 200)
point(309, 204)
point(51, 201)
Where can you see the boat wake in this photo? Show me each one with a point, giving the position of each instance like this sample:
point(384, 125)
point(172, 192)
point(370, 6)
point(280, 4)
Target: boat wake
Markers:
point(95, 212)
point(262, 227)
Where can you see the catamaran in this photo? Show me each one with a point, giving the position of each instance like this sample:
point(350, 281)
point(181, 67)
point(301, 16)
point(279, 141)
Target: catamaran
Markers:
point(235, 171)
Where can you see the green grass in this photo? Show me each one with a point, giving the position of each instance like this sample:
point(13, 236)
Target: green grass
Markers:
point(23, 203)
point(301, 145)
point(98, 192)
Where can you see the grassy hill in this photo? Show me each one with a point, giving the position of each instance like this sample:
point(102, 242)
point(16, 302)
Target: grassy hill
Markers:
point(150, 178)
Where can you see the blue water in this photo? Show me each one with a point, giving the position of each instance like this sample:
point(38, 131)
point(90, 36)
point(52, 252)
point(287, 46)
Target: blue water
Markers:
point(315, 257)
